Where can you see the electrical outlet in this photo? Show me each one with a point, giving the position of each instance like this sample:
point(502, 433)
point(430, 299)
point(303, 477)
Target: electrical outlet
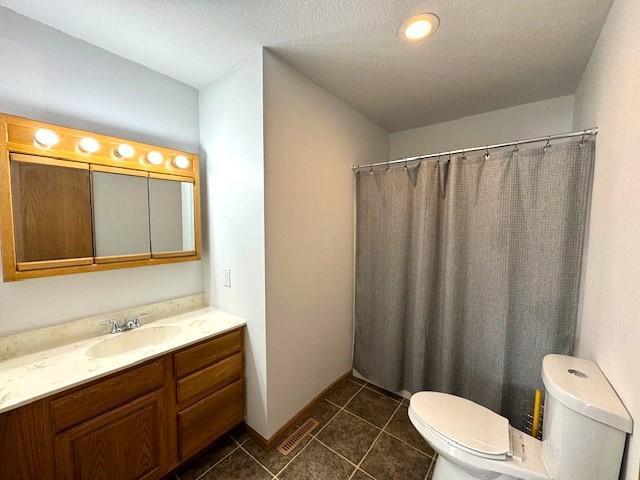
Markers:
point(227, 277)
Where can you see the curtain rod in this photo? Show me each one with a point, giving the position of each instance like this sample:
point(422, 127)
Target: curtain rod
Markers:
point(548, 138)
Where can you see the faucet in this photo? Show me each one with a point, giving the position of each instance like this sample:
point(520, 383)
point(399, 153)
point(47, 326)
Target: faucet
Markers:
point(115, 328)
point(135, 320)
point(130, 325)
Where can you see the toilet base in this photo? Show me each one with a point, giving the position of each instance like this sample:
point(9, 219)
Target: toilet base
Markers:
point(446, 470)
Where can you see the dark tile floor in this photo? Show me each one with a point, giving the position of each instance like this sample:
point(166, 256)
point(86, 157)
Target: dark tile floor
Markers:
point(364, 434)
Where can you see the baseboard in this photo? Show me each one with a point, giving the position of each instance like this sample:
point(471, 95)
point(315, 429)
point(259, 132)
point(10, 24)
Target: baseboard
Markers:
point(279, 435)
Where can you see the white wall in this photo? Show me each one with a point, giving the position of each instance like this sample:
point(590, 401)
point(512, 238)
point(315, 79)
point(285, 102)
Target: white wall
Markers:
point(520, 122)
point(278, 151)
point(609, 97)
point(232, 143)
point(50, 76)
point(311, 141)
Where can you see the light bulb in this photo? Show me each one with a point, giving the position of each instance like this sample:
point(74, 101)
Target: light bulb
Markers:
point(181, 161)
point(46, 138)
point(155, 158)
point(417, 30)
point(419, 26)
point(124, 151)
point(89, 145)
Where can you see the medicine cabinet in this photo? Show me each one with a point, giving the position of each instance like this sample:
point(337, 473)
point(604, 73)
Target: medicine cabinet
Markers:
point(73, 201)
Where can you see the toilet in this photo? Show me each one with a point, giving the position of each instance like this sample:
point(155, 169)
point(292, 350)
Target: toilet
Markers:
point(584, 431)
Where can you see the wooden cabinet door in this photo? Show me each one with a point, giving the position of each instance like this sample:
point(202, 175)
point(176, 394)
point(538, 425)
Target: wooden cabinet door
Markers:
point(51, 210)
point(128, 443)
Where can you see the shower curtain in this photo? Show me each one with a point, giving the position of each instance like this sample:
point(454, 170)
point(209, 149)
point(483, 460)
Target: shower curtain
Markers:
point(468, 271)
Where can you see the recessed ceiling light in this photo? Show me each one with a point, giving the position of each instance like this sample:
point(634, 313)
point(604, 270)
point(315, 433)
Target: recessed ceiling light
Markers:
point(419, 26)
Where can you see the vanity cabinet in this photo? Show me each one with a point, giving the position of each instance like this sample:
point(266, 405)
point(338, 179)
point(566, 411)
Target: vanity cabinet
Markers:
point(137, 424)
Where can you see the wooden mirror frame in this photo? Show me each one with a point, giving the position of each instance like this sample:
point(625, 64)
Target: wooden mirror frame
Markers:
point(17, 136)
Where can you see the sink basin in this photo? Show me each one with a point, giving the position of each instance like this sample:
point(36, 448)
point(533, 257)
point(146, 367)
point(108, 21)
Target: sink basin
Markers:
point(133, 340)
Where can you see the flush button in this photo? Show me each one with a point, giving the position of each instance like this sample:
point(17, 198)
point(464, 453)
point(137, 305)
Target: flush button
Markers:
point(577, 373)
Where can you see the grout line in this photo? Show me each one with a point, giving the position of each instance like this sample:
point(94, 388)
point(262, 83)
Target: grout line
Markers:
point(335, 404)
point(219, 461)
point(380, 393)
point(321, 428)
point(337, 453)
point(374, 442)
point(407, 444)
point(383, 428)
point(431, 467)
point(340, 409)
point(256, 460)
point(364, 472)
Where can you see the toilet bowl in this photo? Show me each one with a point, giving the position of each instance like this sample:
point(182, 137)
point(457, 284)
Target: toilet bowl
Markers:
point(583, 436)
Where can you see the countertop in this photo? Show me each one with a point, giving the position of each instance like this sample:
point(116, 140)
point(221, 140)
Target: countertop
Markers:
point(26, 378)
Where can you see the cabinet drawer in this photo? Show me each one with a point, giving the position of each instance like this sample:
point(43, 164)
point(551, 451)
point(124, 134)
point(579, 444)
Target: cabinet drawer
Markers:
point(211, 351)
point(211, 417)
point(103, 396)
point(210, 379)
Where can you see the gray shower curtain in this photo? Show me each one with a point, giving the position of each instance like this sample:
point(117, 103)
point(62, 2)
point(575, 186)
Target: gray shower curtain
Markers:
point(468, 271)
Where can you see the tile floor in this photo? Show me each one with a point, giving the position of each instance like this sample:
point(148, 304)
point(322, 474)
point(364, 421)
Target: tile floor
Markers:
point(364, 434)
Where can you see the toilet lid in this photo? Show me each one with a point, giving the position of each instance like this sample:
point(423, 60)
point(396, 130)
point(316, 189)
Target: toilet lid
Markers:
point(460, 421)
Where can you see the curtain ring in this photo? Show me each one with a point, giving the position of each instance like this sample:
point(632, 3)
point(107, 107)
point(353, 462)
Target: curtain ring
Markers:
point(464, 155)
point(405, 165)
point(486, 153)
point(584, 134)
point(370, 169)
point(387, 166)
point(516, 150)
point(449, 157)
point(548, 145)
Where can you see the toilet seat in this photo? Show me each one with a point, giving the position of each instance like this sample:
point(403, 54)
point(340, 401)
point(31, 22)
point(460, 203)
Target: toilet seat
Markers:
point(525, 462)
point(464, 424)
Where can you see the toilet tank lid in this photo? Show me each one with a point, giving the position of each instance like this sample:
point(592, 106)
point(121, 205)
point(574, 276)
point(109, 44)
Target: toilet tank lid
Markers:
point(580, 385)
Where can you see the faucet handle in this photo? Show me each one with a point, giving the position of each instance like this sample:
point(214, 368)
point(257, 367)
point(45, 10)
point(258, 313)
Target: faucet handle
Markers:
point(136, 318)
point(115, 328)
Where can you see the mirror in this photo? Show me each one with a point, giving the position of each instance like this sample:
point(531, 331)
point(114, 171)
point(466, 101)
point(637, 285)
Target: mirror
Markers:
point(172, 217)
point(74, 201)
point(51, 212)
point(121, 216)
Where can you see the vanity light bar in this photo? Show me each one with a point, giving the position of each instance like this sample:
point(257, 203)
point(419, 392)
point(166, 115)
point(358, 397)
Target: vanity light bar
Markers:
point(46, 138)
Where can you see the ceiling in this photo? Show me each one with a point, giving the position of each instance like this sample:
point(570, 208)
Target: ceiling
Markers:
point(487, 54)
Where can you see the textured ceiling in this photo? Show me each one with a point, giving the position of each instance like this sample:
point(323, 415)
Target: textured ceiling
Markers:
point(488, 54)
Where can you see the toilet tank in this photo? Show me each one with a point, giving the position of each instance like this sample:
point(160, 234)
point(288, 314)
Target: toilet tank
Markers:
point(585, 423)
